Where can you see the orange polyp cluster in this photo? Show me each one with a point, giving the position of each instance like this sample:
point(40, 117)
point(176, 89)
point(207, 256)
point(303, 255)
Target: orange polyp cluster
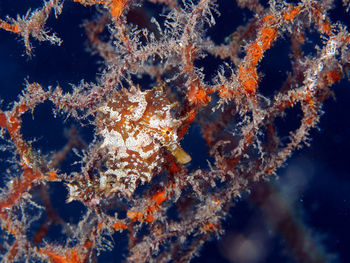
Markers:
point(77, 254)
point(198, 95)
point(134, 126)
point(52, 176)
point(73, 257)
point(9, 27)
point(117, 7)
point(323, 24)
point(135, 216)
point(247, 72)
point(210, 227)
point(3, 120)
point(334, 76)
point(118, 226)
point(147, 216)
point(159, 197)
point(249, 79)
point(291, 13)
point(266, 36)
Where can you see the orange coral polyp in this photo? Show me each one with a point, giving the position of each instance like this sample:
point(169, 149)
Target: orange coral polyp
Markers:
point(255, 53)
point(117, 7)
point(268, 35)
point(198, 95)
point(8, 27)
point(292, 13)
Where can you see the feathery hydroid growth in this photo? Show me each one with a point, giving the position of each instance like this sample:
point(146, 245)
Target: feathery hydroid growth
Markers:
point(135, 165)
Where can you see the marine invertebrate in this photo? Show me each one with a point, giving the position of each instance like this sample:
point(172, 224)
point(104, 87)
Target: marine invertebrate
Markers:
point(134, 125)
